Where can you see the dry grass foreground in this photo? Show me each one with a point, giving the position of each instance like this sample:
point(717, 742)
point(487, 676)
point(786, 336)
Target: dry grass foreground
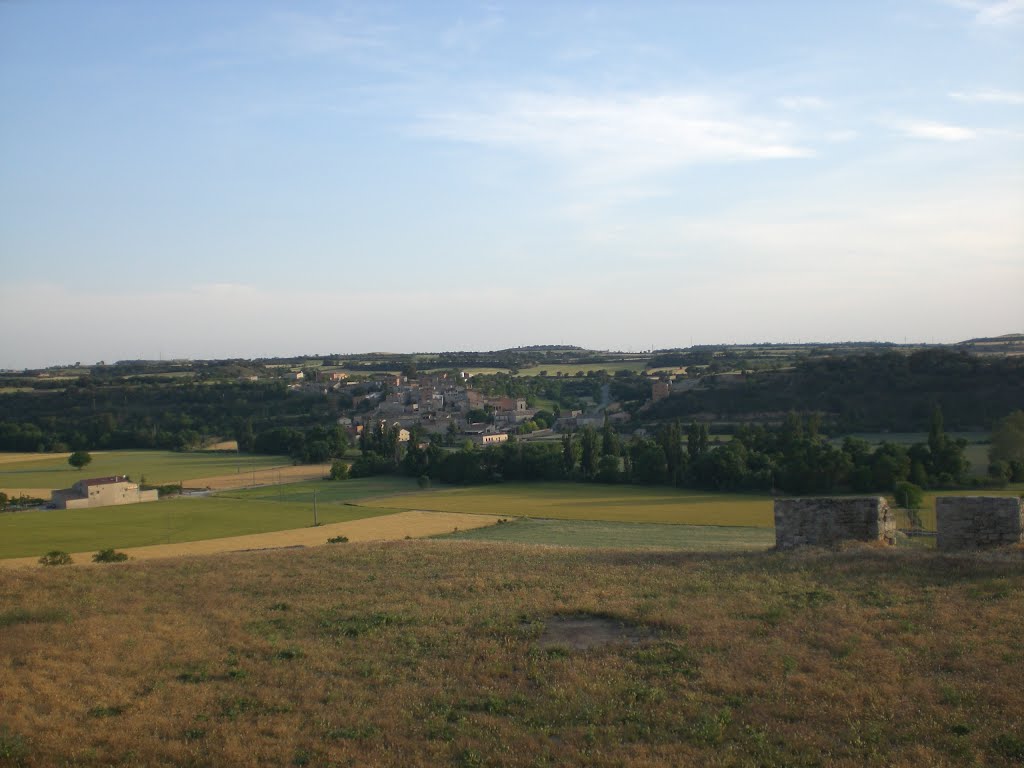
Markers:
point(272, 476)
point(426, 653)
point(401, 525)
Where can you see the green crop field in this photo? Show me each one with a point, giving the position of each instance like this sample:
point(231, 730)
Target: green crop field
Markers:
point(610, 503)
point(327, 491)
point(590, 533)
point(158, 467)
point(192, 518)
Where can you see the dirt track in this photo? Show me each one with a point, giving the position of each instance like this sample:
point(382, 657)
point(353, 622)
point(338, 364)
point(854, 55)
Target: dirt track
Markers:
point(400, 525)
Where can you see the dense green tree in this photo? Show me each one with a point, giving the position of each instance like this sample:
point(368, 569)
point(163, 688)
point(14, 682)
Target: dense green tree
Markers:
point(647, 459)
point(80, 459)
point(670, 438)
point(889, 464)
point(908, 495)
point(570, 454)
point(608, 469)
point(589, 453)
point(696, 439)
point(1008, 439)
point(610, 444)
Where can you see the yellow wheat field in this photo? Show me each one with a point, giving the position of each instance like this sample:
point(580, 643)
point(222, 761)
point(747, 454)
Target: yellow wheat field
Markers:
point(14, 458)
point(272, 476)
point(401, 525)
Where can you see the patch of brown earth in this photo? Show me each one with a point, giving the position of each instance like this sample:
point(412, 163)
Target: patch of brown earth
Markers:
point(583, 631)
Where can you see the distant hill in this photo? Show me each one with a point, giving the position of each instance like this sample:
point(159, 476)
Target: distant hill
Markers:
point(1007, 344)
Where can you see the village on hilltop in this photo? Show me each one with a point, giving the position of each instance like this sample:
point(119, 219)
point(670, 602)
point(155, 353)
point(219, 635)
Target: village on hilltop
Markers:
point(447, 404)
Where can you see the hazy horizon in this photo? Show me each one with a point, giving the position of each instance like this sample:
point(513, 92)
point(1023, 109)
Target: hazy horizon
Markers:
point(236, 179)
point(493, 349)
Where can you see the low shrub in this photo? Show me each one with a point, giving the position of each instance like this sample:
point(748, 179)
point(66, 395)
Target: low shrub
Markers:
point(56, 557)
point(109, 556)
point(337, 540)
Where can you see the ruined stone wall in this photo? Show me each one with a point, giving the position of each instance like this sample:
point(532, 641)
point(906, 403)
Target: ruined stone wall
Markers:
point(978, 522)
point(825, 522)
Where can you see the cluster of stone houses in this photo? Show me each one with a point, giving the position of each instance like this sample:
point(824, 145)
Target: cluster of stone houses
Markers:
point(442, 403)
point(435, 403)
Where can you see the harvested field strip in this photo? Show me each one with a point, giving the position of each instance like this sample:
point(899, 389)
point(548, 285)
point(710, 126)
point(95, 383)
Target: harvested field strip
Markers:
point(399, 525)
point(17, 458)
point(246, 478)
point(577, 501)
point(589, 533)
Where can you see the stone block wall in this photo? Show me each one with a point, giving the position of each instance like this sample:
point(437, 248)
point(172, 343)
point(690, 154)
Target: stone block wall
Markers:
point(978, 522)
point(825, 522)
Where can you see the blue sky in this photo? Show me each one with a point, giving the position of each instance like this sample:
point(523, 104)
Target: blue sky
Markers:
point(239, 179)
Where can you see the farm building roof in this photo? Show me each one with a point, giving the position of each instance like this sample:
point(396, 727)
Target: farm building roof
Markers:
point(104, 480)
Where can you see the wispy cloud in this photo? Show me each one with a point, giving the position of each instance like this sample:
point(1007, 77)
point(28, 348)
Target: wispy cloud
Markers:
point(841, 136)
point(933, 131)
point(625, 135)
point(993, 12)
point(989, 96)
point(802, 103)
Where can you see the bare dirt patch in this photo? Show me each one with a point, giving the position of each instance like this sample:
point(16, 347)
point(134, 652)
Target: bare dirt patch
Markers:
point(583, 631)
point(272, 476)
point(402, 525)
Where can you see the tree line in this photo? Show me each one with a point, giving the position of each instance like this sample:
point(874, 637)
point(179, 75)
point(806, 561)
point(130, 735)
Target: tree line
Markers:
point(793, 458)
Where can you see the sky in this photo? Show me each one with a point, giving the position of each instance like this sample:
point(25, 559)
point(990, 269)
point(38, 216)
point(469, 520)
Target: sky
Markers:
point(251, 179)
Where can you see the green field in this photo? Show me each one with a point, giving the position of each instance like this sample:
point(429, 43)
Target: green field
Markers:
point(191, 518)
point(590, 533)
point(609, 503)
point(326, 490)
point(158, 467)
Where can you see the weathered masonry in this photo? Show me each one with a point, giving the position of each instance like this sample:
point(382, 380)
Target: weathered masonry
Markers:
point(825, 522)
point(978, 522)
point(101, 492)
